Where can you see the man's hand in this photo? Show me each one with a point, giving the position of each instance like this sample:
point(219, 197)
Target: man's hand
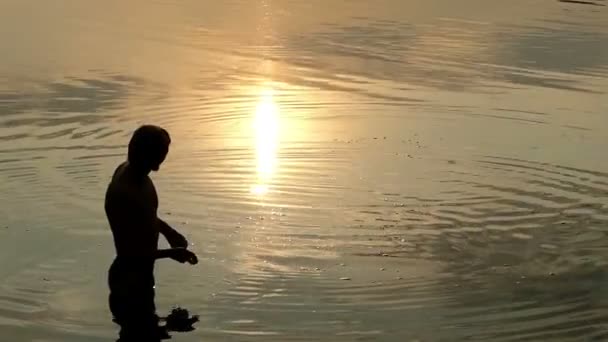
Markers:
point(183, 255)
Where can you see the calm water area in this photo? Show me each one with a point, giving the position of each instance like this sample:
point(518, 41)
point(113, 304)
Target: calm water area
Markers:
point(347, 170)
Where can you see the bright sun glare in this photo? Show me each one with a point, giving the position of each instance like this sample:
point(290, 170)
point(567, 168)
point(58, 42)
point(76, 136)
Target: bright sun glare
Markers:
point(266, 128)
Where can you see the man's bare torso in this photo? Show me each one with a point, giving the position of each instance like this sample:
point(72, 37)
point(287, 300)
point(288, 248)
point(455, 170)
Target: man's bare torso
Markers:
point(131, 206)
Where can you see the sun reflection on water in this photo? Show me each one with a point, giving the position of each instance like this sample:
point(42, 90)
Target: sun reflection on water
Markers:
point(266, 128)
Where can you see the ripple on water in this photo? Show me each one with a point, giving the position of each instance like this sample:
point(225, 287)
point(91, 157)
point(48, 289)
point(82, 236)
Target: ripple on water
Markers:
point(383, 207)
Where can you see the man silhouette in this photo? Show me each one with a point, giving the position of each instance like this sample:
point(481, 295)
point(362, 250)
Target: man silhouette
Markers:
point(131, 205)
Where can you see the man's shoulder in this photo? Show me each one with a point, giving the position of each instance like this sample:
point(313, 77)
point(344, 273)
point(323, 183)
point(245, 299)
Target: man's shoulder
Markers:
point(119, 170)
point(118, 183)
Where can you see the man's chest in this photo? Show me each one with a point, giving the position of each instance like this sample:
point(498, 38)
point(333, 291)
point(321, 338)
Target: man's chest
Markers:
point(141, 199)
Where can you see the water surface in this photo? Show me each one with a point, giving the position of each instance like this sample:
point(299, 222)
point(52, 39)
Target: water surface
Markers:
point(447, 158)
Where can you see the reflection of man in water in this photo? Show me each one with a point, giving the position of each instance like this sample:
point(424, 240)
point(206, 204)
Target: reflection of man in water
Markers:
point(131, 207)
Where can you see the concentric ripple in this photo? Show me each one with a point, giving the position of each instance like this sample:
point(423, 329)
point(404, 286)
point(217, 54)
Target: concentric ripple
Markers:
point(346, 171)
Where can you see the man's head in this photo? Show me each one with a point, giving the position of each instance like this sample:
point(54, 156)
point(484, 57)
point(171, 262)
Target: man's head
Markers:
point(148, 147)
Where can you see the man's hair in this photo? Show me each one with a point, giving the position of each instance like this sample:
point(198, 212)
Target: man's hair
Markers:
point(147, 143)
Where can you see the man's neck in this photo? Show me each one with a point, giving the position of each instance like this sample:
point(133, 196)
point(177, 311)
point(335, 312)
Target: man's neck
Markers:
point(137, 172)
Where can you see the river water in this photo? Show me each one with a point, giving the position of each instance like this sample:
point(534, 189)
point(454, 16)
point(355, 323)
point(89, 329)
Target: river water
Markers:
point(347, 170)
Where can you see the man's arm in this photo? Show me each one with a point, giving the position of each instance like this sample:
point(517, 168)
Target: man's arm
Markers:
point(178, 254)
point(175, 239)
point(133, 231)
point(179, 245)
